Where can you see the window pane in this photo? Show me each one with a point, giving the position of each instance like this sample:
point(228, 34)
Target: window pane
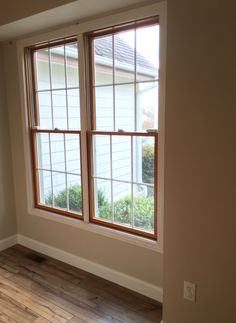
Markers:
point(147, 55)
point(57, 151)
point(103, 59)
point(143, 159)
point(143, 207)
point(42, 69)
point(45, 110)
point(147, 105)
point(57, 67)
point(102, 199)
point(124, 44)
point(104, 108)
point(72, 69)
point(101, 156)
point(59, 109)
point(43, 151)
point(59, 190)
point(124, 107)
point(45, 187)
point(121, 158)
point(73, 153)
point(122, 200)
point(74, 193)
point(73, 109)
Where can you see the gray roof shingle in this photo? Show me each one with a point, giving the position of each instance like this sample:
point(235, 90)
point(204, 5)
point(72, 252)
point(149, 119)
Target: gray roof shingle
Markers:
point(124, 53)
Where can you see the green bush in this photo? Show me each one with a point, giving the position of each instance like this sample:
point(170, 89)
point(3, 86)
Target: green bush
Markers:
point(75, 200)
point(148, 163)
point(143, 207)
point(143, 211)
point(60, 200)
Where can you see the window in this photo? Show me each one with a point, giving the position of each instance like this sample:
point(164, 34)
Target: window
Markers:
point(55, 126)
point(122, 131)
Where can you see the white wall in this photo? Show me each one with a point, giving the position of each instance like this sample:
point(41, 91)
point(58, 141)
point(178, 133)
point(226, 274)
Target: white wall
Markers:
point(200, 159)
point(7, 199)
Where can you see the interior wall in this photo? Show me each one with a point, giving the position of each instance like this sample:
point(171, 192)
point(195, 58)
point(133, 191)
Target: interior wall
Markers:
point(7, 204)
point(129, 259)
point(12, 10)
point(200, 159)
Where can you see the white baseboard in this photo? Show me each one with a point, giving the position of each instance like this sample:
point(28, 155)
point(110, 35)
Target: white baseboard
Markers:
point(8, 242)
point(117, 277)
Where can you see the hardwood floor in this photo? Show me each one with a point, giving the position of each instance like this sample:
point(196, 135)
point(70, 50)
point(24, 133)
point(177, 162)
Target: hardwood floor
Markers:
point(41, 289)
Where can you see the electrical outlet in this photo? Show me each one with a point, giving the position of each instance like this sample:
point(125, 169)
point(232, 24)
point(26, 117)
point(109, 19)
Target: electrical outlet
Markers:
point(190, 291)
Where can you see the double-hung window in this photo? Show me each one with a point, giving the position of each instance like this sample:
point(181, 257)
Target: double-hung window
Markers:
point(121, 90)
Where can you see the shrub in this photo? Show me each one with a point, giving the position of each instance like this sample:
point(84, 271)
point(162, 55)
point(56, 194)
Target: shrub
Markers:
point(148, 163)
point(60, 199)
point(143, 207)
point(143, 211)
point(75, 200)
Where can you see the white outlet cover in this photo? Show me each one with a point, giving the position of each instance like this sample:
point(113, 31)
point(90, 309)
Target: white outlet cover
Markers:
point(190, 291)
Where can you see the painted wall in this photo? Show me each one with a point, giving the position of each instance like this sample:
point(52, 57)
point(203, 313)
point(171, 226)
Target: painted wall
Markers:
point(7, 204)
point(13, 10)
point(129, 259)
point(200, 159)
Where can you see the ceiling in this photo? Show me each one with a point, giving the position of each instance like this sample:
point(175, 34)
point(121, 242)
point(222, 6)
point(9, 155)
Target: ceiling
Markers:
point(32, 16)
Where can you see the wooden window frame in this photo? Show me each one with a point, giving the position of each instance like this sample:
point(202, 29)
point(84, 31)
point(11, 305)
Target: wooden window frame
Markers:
point(33, 120)
point(90, 133)
point(32, 109)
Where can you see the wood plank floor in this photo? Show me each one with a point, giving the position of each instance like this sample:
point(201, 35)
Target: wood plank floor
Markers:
point(41, 289)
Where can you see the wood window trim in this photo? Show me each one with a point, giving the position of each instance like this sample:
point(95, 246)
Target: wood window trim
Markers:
point(90, 37)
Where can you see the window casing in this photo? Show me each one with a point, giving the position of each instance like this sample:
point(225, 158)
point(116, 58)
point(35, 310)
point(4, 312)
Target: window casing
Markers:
point(131, 135)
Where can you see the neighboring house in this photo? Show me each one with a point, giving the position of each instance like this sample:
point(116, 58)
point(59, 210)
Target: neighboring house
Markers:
point(131, 112)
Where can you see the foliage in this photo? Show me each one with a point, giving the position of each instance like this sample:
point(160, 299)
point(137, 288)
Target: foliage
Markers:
point(148, 163)
point(142, 207)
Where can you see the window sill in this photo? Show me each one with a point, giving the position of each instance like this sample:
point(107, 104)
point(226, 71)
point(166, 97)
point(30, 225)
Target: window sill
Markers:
point(108, 232)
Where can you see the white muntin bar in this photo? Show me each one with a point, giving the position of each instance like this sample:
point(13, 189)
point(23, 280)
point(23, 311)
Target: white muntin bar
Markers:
point(112, 202)
point(67, 113)
point(132, 185)
point(67, 194)
point(113, 81)
point(50, 154)
point(59, 172)
point(50, 80)
point(123, 181)
point(123, 83)
point(58, 89)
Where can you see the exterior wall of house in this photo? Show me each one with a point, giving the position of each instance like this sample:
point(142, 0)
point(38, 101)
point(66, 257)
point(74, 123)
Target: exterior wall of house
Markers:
point(124, 115)
point(7, 204)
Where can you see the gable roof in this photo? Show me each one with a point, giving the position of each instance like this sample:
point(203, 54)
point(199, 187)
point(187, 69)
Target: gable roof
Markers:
point(124, 53)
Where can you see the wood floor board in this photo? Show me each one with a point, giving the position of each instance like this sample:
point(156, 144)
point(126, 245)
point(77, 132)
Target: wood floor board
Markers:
point(52, 291)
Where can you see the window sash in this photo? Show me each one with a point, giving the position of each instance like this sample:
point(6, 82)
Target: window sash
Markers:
point(96, 220)
point(33, 119)
point(36, 168)
point(90, 134)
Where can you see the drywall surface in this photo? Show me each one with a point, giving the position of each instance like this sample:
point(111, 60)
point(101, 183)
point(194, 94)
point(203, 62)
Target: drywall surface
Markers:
point(200, 159)
point(13, 10)
point(132, 260)
point(7, 203)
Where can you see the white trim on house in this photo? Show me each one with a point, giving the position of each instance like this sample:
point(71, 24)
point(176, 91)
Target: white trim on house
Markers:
point(139, 13)
point(135, 284)
point(8, 242)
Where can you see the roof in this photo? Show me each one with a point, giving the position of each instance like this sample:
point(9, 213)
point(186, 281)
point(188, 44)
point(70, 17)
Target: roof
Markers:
point(124, 53)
